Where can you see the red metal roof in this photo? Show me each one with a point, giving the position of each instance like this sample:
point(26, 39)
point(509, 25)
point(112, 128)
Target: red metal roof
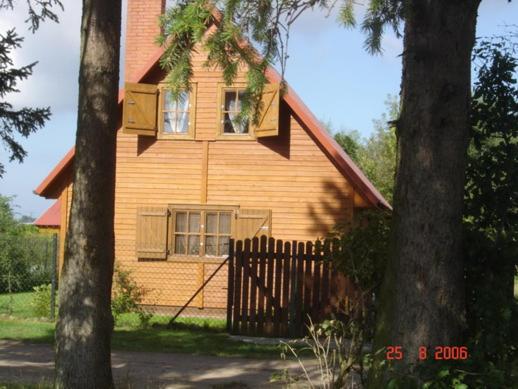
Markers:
point(334, 152)
point(51, 217)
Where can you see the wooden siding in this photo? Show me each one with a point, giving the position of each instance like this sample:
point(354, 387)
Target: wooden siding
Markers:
point(288, 174)
point(66, 202)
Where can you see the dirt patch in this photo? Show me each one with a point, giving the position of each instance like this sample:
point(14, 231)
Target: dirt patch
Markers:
point(34, 363)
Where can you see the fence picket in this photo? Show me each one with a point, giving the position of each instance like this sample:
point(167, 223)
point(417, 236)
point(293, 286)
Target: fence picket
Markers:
point(269, 287)
point(307, 280)
point(263, 286)
point(230, 286)
point(325, 278)
point(285, 287)
point(316, 294)
point(253, 288)
point(236, 324)
point(273, 286)
point(277, 288)
point(246, 284)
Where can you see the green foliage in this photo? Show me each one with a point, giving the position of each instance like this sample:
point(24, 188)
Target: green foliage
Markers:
point(338, 357)
point(377, 154)
point(265, 23)
point(362, 255)
point(127, 296)
point(491, 210)
point(41, 300)
point(379, 14)
point(491, 191)
point(37, 10)
point(350, 141)
point(20, 121)
point(451, 374)
point(25, 256)
point(365, 248)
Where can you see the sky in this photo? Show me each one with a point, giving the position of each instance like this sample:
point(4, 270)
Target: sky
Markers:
point(328, 67)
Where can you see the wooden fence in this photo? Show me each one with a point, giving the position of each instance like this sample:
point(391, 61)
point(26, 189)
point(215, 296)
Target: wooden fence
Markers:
point(274, 287)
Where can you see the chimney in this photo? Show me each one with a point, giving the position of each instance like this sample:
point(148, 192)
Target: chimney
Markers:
point(141, 31)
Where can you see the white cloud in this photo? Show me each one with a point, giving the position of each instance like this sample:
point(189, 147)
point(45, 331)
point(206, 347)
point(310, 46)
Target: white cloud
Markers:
point(56, 49)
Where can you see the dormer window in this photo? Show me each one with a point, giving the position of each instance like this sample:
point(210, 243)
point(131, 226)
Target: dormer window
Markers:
point(176, 116)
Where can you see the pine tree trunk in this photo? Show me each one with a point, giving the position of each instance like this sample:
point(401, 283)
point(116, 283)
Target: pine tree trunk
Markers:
point(85, 321)
point(423, 293)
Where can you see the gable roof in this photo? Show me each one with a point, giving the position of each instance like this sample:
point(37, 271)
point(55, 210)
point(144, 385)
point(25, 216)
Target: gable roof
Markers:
point(51, 217)
point(333, 151)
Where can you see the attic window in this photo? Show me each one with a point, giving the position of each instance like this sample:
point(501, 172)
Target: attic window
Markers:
point(230, 107)
point(176, 115)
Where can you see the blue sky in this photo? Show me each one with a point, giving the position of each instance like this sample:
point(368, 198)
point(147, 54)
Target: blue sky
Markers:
point(328, 67)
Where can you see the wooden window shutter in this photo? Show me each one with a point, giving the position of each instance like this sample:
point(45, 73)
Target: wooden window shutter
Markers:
point(152, 232)
point(269, 116)
point(139, 113)
point(253, 222)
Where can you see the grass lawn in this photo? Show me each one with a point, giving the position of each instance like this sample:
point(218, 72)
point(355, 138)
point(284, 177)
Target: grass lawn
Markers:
point(189, 335)
point(25, 386)
point(17, 304)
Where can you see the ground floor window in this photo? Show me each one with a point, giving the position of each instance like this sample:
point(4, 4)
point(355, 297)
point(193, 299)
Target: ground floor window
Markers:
point(201, 232)
point(186, 232)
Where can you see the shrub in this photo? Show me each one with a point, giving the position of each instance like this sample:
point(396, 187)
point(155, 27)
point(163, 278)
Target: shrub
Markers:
point(127, 296)
point(337, 344)
point(41, 300)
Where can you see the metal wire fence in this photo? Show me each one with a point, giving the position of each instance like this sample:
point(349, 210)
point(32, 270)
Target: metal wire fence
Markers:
point(190, 287)
point(28, 274)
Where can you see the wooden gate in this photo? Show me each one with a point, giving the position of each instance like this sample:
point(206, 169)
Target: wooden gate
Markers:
point(274, 287)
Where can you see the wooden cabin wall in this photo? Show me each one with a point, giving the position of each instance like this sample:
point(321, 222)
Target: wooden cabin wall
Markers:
point(288, 174)
point(66, 201)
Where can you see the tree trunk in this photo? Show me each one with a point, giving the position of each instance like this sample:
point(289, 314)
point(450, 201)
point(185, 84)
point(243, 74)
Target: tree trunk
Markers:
point(85, 321)
point(423, 292)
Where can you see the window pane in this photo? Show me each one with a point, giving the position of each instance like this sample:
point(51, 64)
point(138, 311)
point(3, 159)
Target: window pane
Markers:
point(228, 127)
point(170, 122)
point(194, 222)
point(211, 245)
point(224, 223)
point(233, 125)
point(183, 123)
point(241, 127)
point(194, 245)
point(212, 223)
point(169, 103)
point(181, 222)
point(179, 244)
point(231, 103)
point(223, 245)
point(182, 104)
point(176, 113)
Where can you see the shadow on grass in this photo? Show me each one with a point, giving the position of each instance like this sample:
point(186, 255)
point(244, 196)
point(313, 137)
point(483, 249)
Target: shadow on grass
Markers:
point(190, 341)
point(25, 330)
point(183, 338)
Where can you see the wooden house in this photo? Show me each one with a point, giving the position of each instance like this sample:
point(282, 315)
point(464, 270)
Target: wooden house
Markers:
point(49, 221)
point(189, 177)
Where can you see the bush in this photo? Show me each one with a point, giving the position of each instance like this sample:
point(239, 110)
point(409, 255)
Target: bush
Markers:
point(41, 300)
point(362, 256)
point(127, 296)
